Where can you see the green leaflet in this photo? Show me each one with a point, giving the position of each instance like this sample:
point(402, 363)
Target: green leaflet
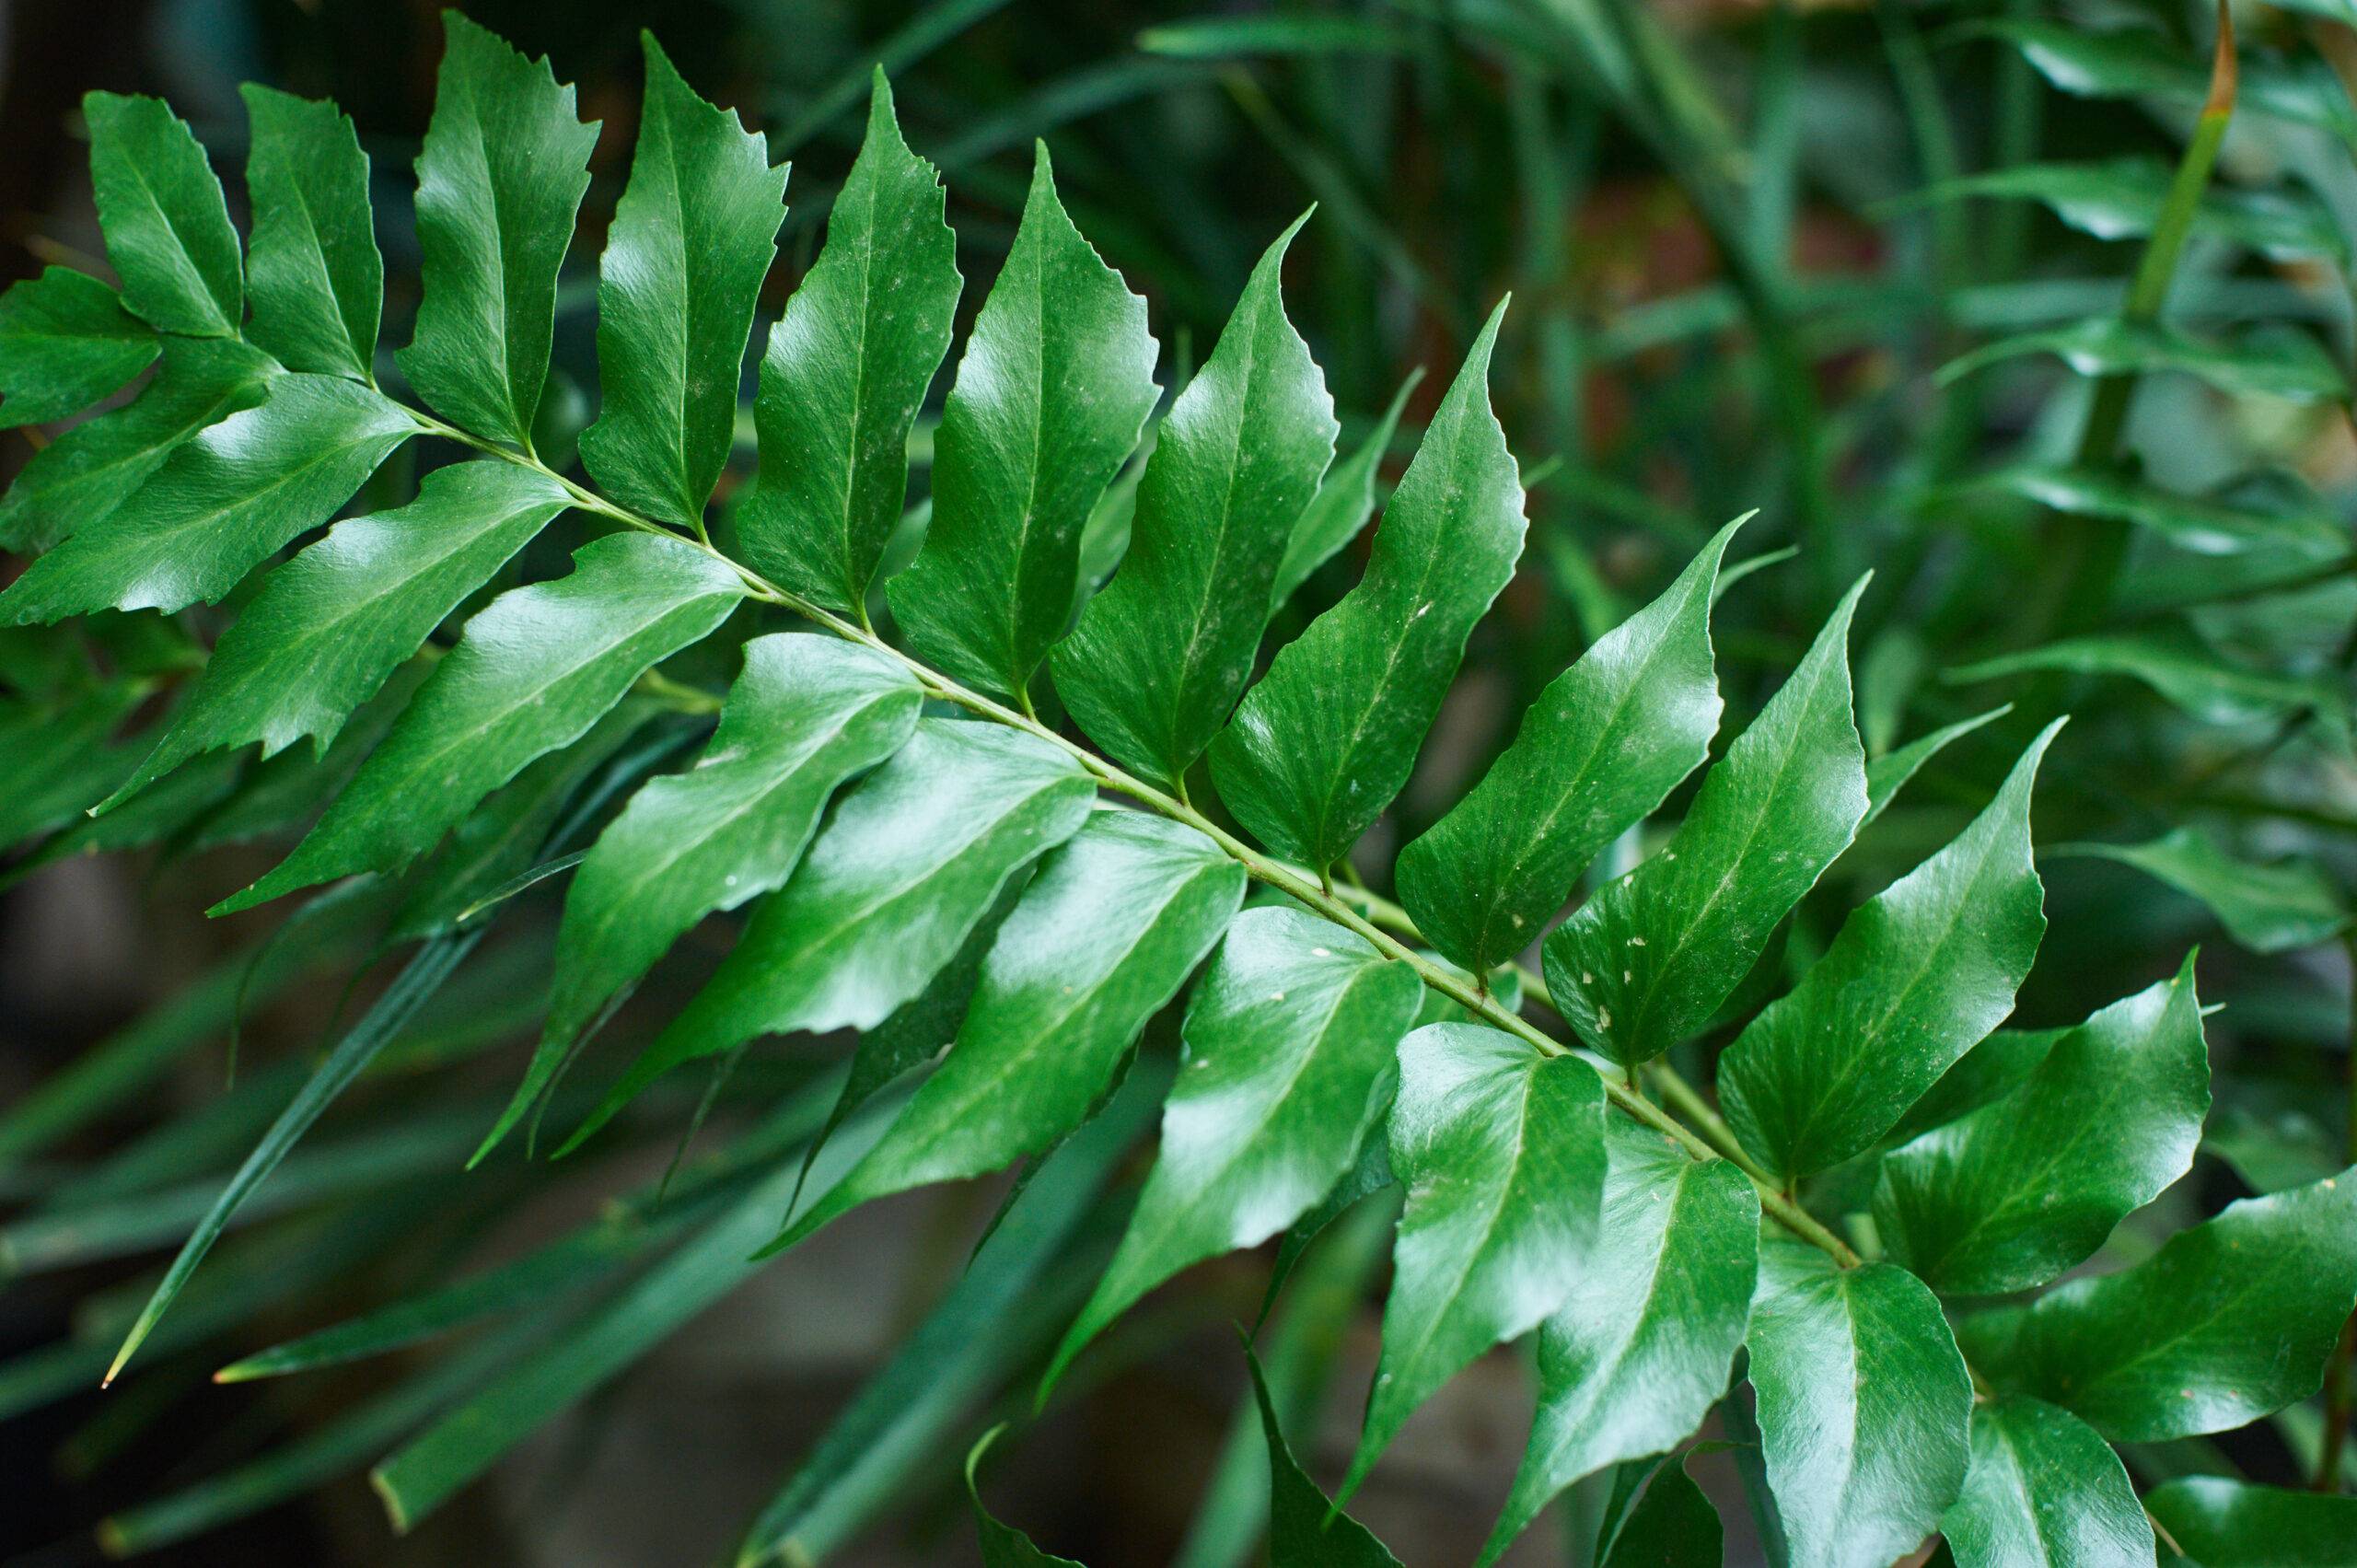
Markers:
point(499, 181)
point(317, 280)
point(286, 793)
point(2190, 675)
point(1004, 1546)
point(1288, 1059)
point(844, 372)
point(910, 861)
point(692, 239)
point(2123, 198)
point(1988, 1072)
point(65, 341)
point(2138, 63)
point(2268, 909)
point(222, 502)
point(1646, 961)
point(1673, 1526)
point(1889, 774)
point(2196, 523)
point(1056, 383)
point(166, 223)
point(2222, 1522)
point(2013, 1194)
point(1603, 744)
point(1105, 934)
point(1156, 663)
point(2277, 364)
point(2230, 1321)
point(1915, 978)
point(1502, 1151)
point(331, 624)
point(2044, 1489)
point(1344, 503)
point(79, 479)
point(805, 714)
point(1321, 745)
point(1304, 1530)
point(530, 674)
point(1639, 1352)
point(1863, 1405)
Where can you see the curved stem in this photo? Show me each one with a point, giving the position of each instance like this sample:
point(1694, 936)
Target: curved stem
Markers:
point(1293, 882)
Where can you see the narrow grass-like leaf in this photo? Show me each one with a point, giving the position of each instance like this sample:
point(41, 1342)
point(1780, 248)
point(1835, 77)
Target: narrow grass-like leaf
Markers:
point(332, 624)
point(1156, 665)
point(65, 341)
point(1105, 934)
point(2013, 1194)
point(2288, 364)
point(1864, 1405)
point(1304, 1530)
point(2044, 1489)
point(79, 479)
point(1503, 1153)
point(316, 280)
point(166, 223)
point(1344, 503)
point(1639, 1351)
point(1915, 978)
point(1056, 383)
point(844, 372)
point(1326, 739)
point(909, 863)
point(2196, 523)
point(221, 503)
point(2219, 1522)
point(2230, 1321)
point(1288, 1049)
point(417, 982)
point(533, 672)
point(2123, 199)
point(1645, 962)
point(499, 179)
point(2189, 675)
point(2267, 909)
point(1603, 744)
point(692, 239)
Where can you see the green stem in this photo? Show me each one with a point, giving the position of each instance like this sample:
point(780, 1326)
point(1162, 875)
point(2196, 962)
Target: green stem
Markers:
point(1260, 867)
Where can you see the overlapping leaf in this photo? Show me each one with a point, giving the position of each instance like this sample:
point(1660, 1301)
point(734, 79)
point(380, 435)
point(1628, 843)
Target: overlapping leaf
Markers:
point(317, 280)
point(65, 341)
point(2219, 1522)
point(2268, 909)
point(2043, 1488)
point(166, 223)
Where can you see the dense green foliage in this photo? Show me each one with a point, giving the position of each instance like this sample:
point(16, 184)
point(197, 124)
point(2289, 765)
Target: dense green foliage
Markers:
point(1011, 790)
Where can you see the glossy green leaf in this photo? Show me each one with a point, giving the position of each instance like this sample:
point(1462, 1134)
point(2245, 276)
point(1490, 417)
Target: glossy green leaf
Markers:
point(2200, 524)
point(844, 372)
point(2268, 909)
point(222, 502)
point(1321, 745)
point(805, 714)
point(2191, 677)
point(65, 341)
point(2043, 1489)
point(2230, 1321)
point(1987, 1073)
point(1863, 1405)
point(166, 223)
point(2123, 199)
point(1648, 960)
point(909, 863)
point(502, 173)
point(1502, 1151)
point(1890, 774)
point(284, 796)
point(1916, 977)
point(1304, 1530)
point(692, 239)
point(333, 624)
point(1288, 1053)
point(78, 479)
point(2223, 1523)
point(2277, 364)
point(1671, 1526)
point(1158, 659)
point(1639, 1351)
point(316, 280)
point(1344, 503)
point(1056, 383)
point(2013, 1194)
point(530, 674)
point(1603, 744)
point(2134, 63)
point(1105, 934)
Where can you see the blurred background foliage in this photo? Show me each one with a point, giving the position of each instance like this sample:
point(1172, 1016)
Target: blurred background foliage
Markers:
point(1752, 245)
